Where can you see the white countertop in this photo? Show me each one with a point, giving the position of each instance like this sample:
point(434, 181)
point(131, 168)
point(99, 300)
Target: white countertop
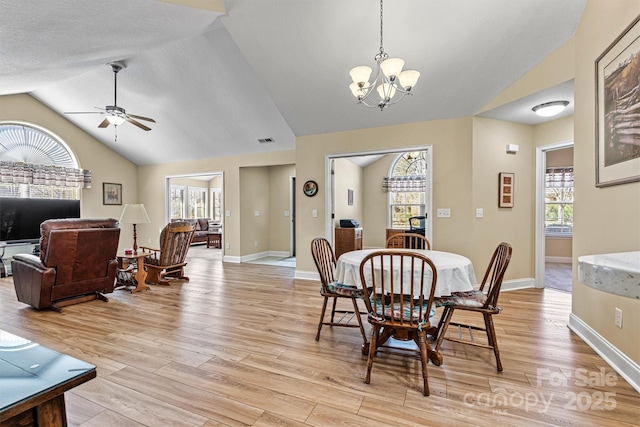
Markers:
point(616, 273)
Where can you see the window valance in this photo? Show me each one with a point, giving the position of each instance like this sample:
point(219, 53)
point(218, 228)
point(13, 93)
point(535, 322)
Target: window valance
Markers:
point(27, 173)
point(559, 177)
point(404, 184)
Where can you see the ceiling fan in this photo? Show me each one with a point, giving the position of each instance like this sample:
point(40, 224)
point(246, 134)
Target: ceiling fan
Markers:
point(116, 115)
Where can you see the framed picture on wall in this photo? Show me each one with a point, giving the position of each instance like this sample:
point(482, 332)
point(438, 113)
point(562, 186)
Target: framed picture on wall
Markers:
point(350, 197)
point(617, 109)
point(506, 186)
point(111, 193)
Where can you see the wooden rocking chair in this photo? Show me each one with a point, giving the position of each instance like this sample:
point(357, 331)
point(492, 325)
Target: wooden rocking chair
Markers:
point(169, 260)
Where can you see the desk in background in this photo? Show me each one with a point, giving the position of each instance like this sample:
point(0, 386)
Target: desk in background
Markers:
point(348, 239)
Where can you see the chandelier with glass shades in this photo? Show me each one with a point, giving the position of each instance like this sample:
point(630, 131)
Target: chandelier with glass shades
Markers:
point(390, 83)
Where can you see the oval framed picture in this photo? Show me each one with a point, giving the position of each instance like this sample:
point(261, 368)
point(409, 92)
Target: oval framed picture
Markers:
point(310, 188)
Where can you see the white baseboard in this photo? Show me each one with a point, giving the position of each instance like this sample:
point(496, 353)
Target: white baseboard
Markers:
point(307, 275)
point(280, 254)
point(558, 259)
point(232, 259)
point(252, 257)
point(512, 285)
point(627, 368)
point(258, 255)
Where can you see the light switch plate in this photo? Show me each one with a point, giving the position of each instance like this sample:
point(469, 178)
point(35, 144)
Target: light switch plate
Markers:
point(479, 213)
point(444, 213)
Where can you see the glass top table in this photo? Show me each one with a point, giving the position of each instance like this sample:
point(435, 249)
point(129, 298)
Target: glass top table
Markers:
point(32, 376)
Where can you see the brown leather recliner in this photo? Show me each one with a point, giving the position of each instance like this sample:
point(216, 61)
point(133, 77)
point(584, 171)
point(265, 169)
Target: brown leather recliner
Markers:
point(77, 263)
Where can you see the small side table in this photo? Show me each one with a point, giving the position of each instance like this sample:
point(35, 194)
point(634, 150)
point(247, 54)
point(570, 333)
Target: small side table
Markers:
point(141, 274)
point(214, 240)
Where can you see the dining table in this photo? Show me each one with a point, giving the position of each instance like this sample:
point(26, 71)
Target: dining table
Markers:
point(455, 272)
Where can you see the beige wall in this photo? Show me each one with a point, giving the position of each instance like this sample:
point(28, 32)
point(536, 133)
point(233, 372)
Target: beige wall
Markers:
point(105, 164)
point(514, 225)
point(152, 184)
point(375, 215)
point(348, 176)
point(279, 204)
point(558, 247)
point(452, 155)
point(560, 158)
point(607, 219)
point(254, 210)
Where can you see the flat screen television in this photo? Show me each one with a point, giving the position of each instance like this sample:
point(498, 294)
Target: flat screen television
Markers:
point(20, 219)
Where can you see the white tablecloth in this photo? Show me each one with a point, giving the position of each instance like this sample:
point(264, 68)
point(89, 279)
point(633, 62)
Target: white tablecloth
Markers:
point(455, 272)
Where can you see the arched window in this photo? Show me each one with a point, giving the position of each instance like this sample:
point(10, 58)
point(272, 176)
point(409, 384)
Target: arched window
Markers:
point(407, 187)
point(36, 164)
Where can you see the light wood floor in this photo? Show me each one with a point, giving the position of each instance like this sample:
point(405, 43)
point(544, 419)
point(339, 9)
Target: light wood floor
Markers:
point(235, 346)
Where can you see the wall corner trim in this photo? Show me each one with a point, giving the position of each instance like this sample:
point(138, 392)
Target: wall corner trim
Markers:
point(623, 365)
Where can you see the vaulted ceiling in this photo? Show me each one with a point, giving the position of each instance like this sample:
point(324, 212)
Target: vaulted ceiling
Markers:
point(217, 76)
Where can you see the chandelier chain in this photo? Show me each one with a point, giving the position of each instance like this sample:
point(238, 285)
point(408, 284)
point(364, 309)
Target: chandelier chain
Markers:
point(381, 48)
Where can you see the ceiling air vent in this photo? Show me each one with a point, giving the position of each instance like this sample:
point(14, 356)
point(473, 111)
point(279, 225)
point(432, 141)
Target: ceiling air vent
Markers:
point(265, 140)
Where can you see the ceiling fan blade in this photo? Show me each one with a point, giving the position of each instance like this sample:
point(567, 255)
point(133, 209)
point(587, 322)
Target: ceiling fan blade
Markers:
point(140, 125)
point(141, 118)
point(104, 123)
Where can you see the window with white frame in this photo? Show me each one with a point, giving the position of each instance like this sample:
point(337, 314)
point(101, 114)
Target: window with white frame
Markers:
point(406, 186)
point(216, 204)
point(177, 201)
point(558, 218)
point(197, 206)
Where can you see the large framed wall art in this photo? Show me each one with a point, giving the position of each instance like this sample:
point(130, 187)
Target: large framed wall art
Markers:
point(618, 110)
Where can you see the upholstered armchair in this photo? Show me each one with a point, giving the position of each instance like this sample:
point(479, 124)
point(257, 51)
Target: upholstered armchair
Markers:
point(77, 263)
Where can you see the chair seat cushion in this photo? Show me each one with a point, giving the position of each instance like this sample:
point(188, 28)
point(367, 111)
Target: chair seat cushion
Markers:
point(475, 299)
point(345, 290)
point(408, 311)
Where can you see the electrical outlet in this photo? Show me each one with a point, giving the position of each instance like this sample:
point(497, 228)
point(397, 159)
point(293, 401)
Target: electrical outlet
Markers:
point(314, 213)
point(618, 319)
point(228, 246)
point(255, 244)
point(257, 213)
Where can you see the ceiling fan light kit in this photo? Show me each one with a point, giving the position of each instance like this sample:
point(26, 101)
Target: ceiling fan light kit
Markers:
point(117, 115)
point(388, 81)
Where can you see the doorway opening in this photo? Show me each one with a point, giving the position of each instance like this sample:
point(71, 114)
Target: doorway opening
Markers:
point(198, 197)
point(554, 216)
point(355, 182)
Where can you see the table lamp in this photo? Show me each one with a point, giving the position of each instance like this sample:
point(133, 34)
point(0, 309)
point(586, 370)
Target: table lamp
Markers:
point(134, 214)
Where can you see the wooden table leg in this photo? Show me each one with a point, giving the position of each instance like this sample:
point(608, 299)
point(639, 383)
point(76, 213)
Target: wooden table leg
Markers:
point(141, 276)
